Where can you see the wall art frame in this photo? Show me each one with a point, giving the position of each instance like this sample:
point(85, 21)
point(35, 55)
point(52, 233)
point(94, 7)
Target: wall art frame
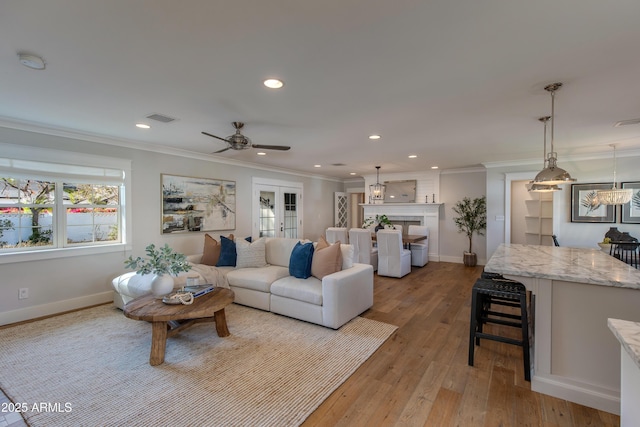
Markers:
point(585, 206)
point(191, 204)
point(631, 210)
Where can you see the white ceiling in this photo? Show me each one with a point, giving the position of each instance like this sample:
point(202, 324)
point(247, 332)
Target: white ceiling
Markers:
point(458, 83)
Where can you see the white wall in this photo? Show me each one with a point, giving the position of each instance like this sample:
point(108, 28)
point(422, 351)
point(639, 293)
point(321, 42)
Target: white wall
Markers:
point(68, 283)
point(454, 186)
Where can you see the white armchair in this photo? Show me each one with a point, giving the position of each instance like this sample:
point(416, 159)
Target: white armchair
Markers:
point(419, 250)
point(363, 250)
point(333, 234)
point(393, 259)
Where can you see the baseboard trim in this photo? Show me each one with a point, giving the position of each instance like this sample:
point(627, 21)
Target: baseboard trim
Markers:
point(578, 392)
point(458, 259)
point(34, 312)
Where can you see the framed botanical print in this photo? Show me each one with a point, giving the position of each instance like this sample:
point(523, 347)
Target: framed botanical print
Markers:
point(631, 210)
point(585, 206)
point(197, 204)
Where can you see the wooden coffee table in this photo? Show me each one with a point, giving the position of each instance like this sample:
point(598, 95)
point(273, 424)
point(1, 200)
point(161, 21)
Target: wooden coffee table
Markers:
point(167, 320)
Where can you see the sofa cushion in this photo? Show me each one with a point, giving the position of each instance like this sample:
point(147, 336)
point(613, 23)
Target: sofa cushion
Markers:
point(279, 250)
point(300, 260)
point(307, 290)
point(251, 254)
point(258, 279)
point(327, 258)
point(228, 254)
point(211, 252)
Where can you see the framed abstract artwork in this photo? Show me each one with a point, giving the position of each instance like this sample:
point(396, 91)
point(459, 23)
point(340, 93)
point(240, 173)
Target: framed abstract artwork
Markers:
point(197, 204)
point(631, 210)
point(585, 206)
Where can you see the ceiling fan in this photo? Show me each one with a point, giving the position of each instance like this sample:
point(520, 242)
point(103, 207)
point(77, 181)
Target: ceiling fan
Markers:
point(238, 141)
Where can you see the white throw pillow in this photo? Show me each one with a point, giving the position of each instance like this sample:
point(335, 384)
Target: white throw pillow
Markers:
point(251, 254)
point(347, 256)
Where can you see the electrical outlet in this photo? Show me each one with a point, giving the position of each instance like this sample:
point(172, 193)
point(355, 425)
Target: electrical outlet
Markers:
point(23, 293)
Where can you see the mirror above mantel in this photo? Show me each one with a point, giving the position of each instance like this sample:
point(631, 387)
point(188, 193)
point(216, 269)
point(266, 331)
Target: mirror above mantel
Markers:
point(403, 191)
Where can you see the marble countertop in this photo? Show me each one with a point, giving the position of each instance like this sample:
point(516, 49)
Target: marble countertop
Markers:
point(580, 265)
point(628, 333)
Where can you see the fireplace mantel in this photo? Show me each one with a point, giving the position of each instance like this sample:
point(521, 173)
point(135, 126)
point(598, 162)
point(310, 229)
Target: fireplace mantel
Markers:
point(427, 213)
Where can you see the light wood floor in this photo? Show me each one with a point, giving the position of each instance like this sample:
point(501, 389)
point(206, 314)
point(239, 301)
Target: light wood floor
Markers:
point(420, 375)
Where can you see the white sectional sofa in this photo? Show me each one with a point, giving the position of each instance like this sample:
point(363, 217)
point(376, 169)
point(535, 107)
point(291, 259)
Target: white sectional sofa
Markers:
point(330, 302)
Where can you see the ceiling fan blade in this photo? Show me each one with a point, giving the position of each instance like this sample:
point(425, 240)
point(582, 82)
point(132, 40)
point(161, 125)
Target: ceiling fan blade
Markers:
point(272, 147)
point(213, 136)
point(220, 151)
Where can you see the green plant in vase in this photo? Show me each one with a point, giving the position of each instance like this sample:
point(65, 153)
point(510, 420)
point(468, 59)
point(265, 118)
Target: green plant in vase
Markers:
point(472, 218)
point(380, 221)
point(163, 263)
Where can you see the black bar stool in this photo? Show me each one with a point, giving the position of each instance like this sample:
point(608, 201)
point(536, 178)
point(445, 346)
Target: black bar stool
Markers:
point(625, 252)
point(494, 289)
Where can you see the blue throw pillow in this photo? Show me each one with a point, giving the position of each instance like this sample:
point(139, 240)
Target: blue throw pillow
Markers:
point(300, 260)
point(228, 254)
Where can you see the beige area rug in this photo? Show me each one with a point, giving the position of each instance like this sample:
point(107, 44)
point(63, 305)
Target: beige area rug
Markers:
point(91, 368)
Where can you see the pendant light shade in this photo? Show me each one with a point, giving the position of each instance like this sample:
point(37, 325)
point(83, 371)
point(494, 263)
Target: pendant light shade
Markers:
point(532, 186)
point(552, 174)
point(614, 196)
point(376, 191)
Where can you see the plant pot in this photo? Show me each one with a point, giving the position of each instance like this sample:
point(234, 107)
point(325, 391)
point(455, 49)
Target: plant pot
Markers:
point(161, 285)
point(470, 259)
point(605, 247)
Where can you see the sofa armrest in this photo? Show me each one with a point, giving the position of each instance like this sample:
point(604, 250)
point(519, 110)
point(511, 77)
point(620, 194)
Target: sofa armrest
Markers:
point(346, 294)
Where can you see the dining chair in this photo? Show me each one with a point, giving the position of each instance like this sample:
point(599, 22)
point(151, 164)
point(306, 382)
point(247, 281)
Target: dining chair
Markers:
point(393, 259)
point(363, 250)
point(333, 234)
point(419, 250)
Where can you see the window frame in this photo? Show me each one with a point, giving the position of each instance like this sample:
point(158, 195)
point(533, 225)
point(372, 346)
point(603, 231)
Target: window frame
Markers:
point(72, 159)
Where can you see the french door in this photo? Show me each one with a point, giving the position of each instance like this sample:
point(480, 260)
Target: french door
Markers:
point(277, 211)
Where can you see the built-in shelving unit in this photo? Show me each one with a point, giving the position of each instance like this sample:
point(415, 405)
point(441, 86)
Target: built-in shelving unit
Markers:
point(539, 219)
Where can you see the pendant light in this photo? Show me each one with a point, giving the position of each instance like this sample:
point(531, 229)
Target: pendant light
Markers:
point(376, 191)
point(614, 196)
point(543, 188)
point(552, 174)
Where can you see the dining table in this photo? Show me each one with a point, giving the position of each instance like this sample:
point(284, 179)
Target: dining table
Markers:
point(407, 239)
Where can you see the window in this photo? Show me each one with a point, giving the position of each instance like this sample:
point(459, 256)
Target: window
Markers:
point(49, 207)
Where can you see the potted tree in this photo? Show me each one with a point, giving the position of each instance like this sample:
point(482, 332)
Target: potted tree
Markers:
point(161, 262)
point(472, 218)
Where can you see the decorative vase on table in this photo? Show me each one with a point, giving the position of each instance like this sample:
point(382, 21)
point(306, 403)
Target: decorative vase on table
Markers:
point(162, 285)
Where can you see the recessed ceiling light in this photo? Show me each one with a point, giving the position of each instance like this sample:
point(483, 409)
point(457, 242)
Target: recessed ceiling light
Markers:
point(143, 126)
point(434, 167)
point(374, 137)
point(413, 156)
point(352, 173)
point(32, 61)
point(317, 166)
point(273, 83)
point(261, 153)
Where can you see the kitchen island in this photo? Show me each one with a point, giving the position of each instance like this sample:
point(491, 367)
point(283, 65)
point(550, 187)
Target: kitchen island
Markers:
point(575, 290)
